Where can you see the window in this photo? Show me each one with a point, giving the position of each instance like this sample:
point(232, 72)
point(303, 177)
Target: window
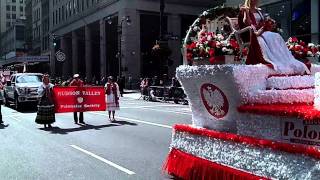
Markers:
point(53, 19)
point(21, 1)
point(62, 13)
point(56, 16)
point(20, 33)
point(78, 4)
point(13, 8)
point(59, 15)
point(21, 8)
point(82, 5)
point(13, 1)
point(8, 24)
point(8, 16)
point(8, 8)
point(29, 79)
point(74, 6)
point(14, 16)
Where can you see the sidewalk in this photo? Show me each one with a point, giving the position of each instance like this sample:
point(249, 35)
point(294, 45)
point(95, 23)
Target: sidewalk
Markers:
point(134, 94)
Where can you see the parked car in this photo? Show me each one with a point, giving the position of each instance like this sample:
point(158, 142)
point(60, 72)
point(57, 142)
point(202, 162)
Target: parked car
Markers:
point(22, 88)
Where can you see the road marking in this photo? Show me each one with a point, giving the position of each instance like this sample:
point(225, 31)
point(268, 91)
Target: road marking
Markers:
point(160, 105)
point(14, 117)
point(136, 120)
point(136, 107)
point(104, 160)
point(177, 112)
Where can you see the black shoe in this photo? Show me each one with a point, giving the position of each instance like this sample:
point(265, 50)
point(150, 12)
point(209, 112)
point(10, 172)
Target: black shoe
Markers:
point(82, 122)
point(1, 122)
point(49, 125)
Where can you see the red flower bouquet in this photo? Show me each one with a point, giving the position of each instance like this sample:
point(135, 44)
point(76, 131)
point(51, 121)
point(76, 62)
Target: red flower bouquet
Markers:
point(301, 50)
point(210, 46)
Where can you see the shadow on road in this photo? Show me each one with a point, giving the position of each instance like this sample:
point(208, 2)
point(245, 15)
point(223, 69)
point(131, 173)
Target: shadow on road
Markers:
point(124, 123)
point(58, 130)
point(83, 127)
point(2, 126)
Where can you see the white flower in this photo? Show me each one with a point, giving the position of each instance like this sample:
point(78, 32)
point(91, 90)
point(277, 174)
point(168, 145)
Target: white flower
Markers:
point(309, 53)
point(224, 49)
point(220, 37)
point(209, 38)
point(205, 13)
point(311, 45)
point(218, 44)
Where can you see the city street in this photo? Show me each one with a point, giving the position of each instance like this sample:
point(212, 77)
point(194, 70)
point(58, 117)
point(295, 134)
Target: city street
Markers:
point(133, 147)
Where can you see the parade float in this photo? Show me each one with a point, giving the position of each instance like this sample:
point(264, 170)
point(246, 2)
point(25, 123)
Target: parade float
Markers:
point(248, 121)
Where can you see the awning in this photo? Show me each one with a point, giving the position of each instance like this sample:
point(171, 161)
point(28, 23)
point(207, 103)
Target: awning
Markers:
point(24, 59)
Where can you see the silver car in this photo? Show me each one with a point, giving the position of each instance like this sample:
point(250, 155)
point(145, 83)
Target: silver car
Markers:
point(22, 88)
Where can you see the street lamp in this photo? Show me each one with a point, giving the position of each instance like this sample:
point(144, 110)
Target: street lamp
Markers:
point(127, 20)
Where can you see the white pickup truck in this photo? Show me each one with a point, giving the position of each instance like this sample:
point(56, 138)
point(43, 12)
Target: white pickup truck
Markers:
point(22, 88)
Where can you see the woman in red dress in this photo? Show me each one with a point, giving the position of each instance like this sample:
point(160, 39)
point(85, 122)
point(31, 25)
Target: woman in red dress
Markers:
point(267, 47)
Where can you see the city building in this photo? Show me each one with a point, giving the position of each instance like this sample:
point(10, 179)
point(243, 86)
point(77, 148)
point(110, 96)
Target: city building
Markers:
point(36, 27)
point(296, 17)
point(45, 27)
point(12, 42)
point(10, 11)
point(115, 37)
point(29, 29)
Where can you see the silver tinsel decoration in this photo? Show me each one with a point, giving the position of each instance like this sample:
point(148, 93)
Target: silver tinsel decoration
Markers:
point(263, 162)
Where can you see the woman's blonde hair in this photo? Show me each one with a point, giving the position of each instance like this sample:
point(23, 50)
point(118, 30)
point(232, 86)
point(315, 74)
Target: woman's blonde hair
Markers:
point(247, 3)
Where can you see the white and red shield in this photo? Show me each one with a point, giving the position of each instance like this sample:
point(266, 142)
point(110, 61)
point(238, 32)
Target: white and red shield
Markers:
point(214, 100)
point(80, 100)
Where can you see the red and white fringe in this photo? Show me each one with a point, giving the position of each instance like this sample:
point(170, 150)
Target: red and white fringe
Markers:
point(189, 167)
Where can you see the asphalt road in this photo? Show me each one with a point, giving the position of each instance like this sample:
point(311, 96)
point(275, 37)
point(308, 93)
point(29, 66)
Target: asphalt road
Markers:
point(134, 147)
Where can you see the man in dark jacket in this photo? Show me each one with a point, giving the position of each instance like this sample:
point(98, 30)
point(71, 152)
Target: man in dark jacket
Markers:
point(78, 83)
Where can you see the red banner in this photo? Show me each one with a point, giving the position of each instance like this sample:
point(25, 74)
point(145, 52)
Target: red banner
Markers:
point(79, 99)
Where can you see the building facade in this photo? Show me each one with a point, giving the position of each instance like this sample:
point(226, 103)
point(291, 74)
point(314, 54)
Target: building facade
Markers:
point(36, 27)
point(29, 27)
point(296, 17)
point(88, 32)
point(12, 42)
point(11, 10)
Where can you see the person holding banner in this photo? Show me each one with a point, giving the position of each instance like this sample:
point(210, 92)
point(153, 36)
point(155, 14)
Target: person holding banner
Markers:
point(78, 83)
point(112, 100)
point(45, 114)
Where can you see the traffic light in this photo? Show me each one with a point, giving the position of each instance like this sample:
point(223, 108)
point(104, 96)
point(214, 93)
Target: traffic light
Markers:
point(55, 41)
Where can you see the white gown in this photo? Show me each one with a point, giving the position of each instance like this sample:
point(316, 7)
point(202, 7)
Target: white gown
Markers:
point(111, 101)
point(275, 51)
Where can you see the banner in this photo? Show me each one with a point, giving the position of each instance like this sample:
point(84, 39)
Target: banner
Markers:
point(79, 99)
point(301, 132)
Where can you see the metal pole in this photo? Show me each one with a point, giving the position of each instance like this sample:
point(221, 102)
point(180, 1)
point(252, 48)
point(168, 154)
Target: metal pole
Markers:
point(120, 53)
point(120, 45)
point(162, 6)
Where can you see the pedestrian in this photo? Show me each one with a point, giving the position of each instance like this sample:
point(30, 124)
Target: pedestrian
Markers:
point(121, 83)
point(112, 100)
point(78, 83)
point(130, 82)
point(1, 98)
point(45, 114)
point(102, 80)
